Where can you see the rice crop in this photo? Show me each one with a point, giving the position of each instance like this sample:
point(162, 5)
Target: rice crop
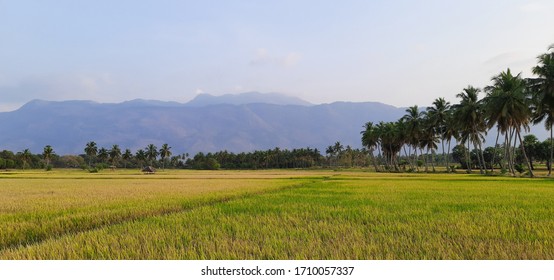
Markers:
point(304, 215)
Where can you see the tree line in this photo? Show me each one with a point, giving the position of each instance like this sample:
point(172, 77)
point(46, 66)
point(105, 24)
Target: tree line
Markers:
point(95, 158)
point(336, 156)
point(511, 104)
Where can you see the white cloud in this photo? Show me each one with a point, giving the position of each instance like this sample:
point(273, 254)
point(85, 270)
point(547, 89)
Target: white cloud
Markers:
point(532, 7)
point(420, 47)
point(505, 58)
point(7, 107)
point(96, 87)
point(517, 61)
point(238, 88)
point(89, 84)
point(291, 59)
point(264, 58)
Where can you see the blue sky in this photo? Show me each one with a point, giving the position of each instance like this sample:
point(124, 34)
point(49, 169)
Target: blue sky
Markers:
point(396, 52)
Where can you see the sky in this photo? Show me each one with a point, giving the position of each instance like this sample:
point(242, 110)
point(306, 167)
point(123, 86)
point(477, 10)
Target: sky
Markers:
point(401, 53)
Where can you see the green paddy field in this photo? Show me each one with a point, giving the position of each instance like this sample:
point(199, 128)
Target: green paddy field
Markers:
point(306, 215)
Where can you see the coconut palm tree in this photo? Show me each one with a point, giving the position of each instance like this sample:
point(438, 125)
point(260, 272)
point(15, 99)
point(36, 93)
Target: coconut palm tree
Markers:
point(165, 152)
point(392, 141)
point(115, 154)
point(26, 157)
point(47, 154)
point(496, 115)
point(437, 116)
point(91, 150)
point(450, 131)
point(127, 156)
point(413, 120)
point(379, 131)
point(428, 140)
point(543, 88)
point(468, 115)
point(338, 147)
point(103, 154)
point(370, 140)
point(141, 157)
point(508, 104)
point(151, 153)
point(335, 151)
point(330, 151)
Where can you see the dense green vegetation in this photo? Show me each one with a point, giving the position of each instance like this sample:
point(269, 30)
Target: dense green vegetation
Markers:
point(336, 157)
point(274, 215)
point(511, 104)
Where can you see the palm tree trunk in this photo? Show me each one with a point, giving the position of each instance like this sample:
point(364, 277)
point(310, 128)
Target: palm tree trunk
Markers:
point(509, 136)
point(512, 150)
point(506, 157)
point(391, 156)
point(482, 156)
point(379, 153)
point(407, 155)
point(396, 165)
point(551, 152)
point(425, 160)
point(443, 158)
point(433, 160)
point(478, 157)
point(416, 160)
point(468, 158)
point(373, 160)
point(494, 151)
point(525, 154)
point(448, 157)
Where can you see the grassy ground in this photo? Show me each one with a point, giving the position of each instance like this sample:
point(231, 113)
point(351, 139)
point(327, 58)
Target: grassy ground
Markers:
point(274, 215)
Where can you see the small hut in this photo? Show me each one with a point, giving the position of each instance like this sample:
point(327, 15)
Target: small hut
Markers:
point(149, 170)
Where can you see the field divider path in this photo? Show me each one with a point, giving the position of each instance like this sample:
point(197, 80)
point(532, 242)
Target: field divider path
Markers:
point(187, 206)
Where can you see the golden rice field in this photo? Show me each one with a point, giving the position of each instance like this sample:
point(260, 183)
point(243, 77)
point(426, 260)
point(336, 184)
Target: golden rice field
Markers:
point(273, 215)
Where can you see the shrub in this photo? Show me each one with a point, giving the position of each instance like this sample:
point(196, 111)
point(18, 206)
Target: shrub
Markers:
point(519, 168)
point(101, 166)
point(211, 164)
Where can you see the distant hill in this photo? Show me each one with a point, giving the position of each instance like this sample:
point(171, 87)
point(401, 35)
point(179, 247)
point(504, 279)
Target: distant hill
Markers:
point(247, 98)
point(69, 125)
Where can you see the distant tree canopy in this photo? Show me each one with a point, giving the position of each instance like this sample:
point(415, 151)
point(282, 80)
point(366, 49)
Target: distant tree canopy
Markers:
point(101, 158)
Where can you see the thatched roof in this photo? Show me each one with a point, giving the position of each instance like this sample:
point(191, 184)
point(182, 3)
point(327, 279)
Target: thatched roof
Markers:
point(149, 169)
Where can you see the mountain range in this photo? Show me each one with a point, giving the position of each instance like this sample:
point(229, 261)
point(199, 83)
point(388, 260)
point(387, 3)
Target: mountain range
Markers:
point(236, 123)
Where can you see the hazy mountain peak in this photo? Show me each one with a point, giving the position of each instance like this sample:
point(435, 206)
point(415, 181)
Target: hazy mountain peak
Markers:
point(39, 103)
point(205, 99)
point(149, 102)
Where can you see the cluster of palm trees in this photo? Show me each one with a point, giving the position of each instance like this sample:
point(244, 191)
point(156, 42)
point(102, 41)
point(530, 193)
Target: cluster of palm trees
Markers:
point(148, 155)
point(259, 159)
point(511, 104)
point(339, 156)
